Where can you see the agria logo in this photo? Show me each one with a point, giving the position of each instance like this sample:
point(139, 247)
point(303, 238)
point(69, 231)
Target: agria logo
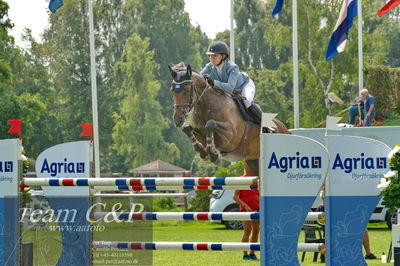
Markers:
point(299, 162)
point(64, 167)
point(361, 162)
point(6, 166)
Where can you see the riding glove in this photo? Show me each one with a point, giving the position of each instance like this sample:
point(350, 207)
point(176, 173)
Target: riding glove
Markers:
point(209, 80)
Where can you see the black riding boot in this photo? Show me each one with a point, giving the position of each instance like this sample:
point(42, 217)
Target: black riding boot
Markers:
point(255, 112)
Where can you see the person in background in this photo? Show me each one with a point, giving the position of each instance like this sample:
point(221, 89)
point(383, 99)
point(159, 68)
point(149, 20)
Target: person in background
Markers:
point(249, 201)
point(368, 254)
point(369, 107)
point(356, 111)
point(367, 247)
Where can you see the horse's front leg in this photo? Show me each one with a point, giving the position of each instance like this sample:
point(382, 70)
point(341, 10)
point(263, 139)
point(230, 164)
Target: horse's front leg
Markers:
point(213, 127)
point(188, 130)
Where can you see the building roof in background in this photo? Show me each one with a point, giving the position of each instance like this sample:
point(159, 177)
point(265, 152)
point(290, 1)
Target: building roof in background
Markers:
point(158, 167)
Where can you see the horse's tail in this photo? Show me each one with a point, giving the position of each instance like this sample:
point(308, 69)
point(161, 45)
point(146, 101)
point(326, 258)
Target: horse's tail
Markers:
point(280, 127)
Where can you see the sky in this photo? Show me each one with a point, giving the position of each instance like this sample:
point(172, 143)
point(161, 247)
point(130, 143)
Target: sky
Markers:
point(212, 15)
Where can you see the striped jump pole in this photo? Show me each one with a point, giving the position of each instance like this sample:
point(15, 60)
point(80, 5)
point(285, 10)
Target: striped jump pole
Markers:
point(181, 216)
point(138, 195)
point(143, 182)
point(190, 216)
point(36, 193)
point(224, 246)
point(151, 188)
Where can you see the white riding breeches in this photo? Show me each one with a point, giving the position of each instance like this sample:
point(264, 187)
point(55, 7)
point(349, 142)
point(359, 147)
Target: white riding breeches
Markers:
point(248, 93)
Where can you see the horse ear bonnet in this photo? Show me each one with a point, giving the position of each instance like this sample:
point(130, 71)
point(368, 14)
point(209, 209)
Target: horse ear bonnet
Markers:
point(181, 79)
point(189, 71)
point(173, 72)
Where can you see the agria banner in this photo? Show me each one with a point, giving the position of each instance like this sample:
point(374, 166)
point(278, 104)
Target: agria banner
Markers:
point(293, 169)
point(356, 167)
point(10, 156)
point(69, 160)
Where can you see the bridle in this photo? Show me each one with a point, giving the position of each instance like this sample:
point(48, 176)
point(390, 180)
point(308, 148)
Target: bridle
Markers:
point(177, 87)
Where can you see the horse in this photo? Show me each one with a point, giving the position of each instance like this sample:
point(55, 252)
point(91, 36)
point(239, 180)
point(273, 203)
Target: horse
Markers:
point(217, 128)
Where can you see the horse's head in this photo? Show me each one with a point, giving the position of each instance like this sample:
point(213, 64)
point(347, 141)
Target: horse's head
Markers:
point(182, 90)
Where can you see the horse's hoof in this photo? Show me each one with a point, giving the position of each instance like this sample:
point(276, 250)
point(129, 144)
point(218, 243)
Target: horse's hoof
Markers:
point(188, 130)
point(205, 158)
point(201, 151)
point(217, 162)
point(215, 158)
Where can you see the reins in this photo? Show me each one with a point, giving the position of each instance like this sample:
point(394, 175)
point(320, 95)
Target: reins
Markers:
point(198, 99)
point(189, 104)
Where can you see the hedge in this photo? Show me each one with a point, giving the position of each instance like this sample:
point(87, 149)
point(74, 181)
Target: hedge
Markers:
point(384, 84)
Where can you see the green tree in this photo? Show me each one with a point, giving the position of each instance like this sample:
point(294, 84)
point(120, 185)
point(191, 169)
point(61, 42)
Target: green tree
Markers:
point(253, 47)
point(115, 21)
point(180, 41)
point(6, 42)
point(269, 95)
point(391, 32)
point(110, 42)
point(67, 43)
point(139, 123)
point(31, 77)
point(14, 102)
point(317, 77)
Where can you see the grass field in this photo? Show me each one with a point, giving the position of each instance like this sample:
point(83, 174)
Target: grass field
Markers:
point(378, 233)
point(47, 244)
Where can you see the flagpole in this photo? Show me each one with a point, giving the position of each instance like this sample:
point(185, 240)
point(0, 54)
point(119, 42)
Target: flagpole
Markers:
point(232, 35)
point(360, 48)
point(295, 65)
point(94, 92)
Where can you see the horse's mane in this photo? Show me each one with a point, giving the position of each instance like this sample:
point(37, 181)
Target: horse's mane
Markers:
point(182, 67)
point(179, 67)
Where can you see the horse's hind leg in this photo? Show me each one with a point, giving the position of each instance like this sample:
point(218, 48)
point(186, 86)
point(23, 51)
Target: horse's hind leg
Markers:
point(188, 130)
point(212, 127)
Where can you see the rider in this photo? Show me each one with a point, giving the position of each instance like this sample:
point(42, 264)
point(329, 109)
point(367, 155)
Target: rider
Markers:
point(221, 73)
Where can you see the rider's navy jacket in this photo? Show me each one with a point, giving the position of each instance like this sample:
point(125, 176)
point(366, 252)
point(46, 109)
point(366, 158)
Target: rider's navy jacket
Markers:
point(230, 78)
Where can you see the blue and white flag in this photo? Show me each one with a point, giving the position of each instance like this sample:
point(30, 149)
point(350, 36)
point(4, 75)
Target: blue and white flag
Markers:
point(277, 8)
point(55, 4)
point(341, 31)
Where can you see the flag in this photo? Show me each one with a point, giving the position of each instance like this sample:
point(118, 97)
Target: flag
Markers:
point(388, 6)
point(55, 4)
point(15, 127)
point(87, 130)
point(341, 31)
point(277, 8)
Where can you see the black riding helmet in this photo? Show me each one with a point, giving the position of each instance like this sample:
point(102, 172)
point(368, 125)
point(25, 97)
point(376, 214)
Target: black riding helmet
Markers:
point(218, 48)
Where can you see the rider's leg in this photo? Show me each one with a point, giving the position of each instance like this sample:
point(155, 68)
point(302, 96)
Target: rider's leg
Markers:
point(248, 93)
point(256, 112)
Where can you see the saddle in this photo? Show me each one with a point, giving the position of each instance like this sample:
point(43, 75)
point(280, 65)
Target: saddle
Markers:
point(238, 99)
point(247, 116)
